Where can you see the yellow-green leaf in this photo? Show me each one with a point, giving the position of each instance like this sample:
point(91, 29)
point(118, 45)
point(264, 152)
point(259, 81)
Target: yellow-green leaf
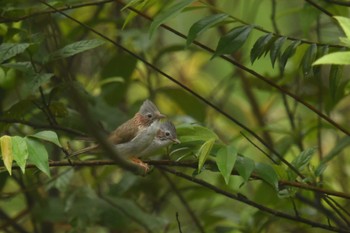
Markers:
point(345, 24)
point(20, 151)
point(225, 160)
point(6, 152)
point(204, 151)
point(337, 58)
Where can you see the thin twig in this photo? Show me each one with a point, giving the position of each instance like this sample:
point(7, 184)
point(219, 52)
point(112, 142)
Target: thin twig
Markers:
point(273, 16)
point(319, 8)
point(178, 222)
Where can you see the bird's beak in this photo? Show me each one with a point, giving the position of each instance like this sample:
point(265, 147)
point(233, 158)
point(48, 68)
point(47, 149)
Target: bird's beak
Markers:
point(160, 116)
point(176, 141)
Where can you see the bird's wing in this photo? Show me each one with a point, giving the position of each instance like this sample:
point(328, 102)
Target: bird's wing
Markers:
point(123, 133)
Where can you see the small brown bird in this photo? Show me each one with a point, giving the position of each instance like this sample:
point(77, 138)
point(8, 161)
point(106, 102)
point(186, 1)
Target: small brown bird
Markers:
point(136, 134)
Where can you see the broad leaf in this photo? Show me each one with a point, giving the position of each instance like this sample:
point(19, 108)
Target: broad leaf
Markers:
point(275, 51)
point(6, 152)
point(75, 48)
point(171, 10)
point(289, 52)
point(37, 80)
point(49, 136)
point(9, 50)
point(245, 166)
point(232, 41)
point(189, 133)
point(20, 152)
point(268, 174)
point(345, 24)
point(204, 152)
point(337, 58)
point(260, 46)
point(308, 59)
point(225, 160)
point(38, 155)
point(203, 24)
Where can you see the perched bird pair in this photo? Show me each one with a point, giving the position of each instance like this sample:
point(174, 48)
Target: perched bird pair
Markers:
point(141, 135)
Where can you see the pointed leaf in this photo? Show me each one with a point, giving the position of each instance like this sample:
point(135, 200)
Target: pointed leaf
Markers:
point(75, 48)
point(38, 155)
point(204, 152)
point(6, 152)
point(345, 24)
point(20, 152)
point(341, 144)
point(259, 47)
point(308, 59)
point(9, 50)
point(189, 133)
point(225, 160)
point(245, 166)
point(267, 174)
point(37, 80)
point(337, 58)
point(49, 136)
point(289, 52)
point(276, 49)
point(170, 11)
point(203, 24)
point(303, 158)
point(232, 41)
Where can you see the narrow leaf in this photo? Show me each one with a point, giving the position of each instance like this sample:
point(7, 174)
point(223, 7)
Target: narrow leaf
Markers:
point(170, 11)
point(20, 151)
point(308, 59)
point(275, 51)
point(303, 159)
point(267, 174)
point(38, 155)
point(204, 152)
point(9, 50)
point(49, 136)
point(245, 166)
point(225, 160)
point(6, 152)
point(289, 52)
point(203, 24)
point(345, 24)
point(232, 41)
point(341, 144)
point(75, 48)
point(259, 47)
point(337, 58)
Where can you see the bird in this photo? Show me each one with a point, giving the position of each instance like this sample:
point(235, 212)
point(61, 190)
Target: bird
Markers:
point(134, 135)
point(165, 136)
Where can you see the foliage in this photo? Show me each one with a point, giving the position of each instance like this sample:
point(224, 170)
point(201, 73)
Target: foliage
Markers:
point(256, 90)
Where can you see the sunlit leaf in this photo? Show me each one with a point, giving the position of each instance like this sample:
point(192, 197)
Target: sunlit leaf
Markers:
point(345, 24)
point(267, 173)
point(204, 152)
point(337, 58)
point(225, 160)
point(6, 152)
point(75, 48)
point(49, 136)
point(308, 59)
point(38, 155)
point(289, 52)
point(111, 80)
point(260, 46)
point(9, 50)
point(232, 41)
point(189, 133)
point(170, 10)
point(20, 151)
point(245, 166)
point(275, 51)
point(203, 24)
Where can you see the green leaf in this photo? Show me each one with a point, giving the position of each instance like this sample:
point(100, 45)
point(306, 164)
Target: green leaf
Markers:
point(111, 80)
point(203, 24)
point(308, 59)
point(169, 11)
point(320, 169)
point(204, 152)
point(6, 152)
point(336, 87)
point(303, 159)
point(275, 51)
point(337, 58)
point(225, 160)
point(138, 5)
point(9, 50)
point(37, 80)
point(75, 48)
point(20, 151)
point(260, 46)
point(232, 41)
point(345, 41)
point(245, 166)
point(189, 133)
point(49, 136)
point(341, 144)
point(267, 174)
point(38, 155)
point(289, 52)
point(345, 24)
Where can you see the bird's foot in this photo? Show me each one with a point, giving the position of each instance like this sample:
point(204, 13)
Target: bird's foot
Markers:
point(141, 164)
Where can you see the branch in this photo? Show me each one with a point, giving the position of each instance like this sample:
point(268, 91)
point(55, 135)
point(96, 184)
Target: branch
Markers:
point(319, 8)
point(341, 3)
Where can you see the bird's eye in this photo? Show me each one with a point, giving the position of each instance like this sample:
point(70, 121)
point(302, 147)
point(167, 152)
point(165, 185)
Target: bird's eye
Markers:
point(167, 134)
point(149, 115)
